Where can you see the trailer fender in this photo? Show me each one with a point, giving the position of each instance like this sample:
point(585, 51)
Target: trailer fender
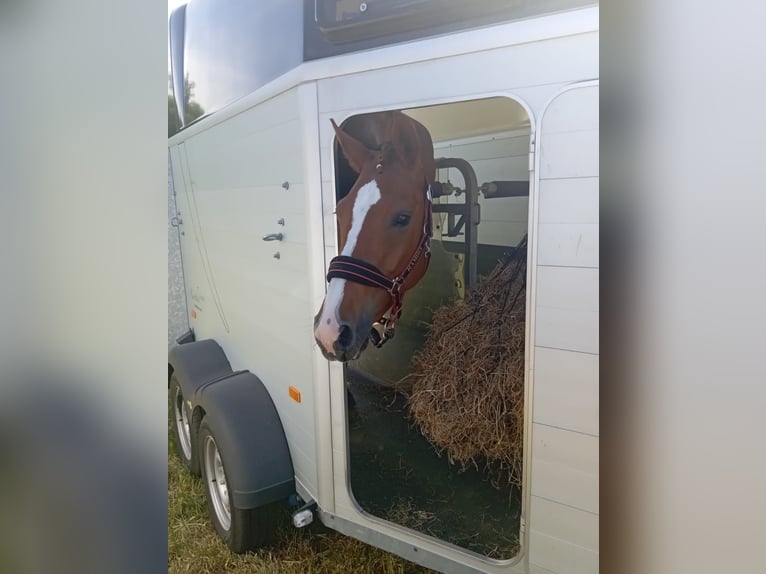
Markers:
point(250, 438)
point(196, 363)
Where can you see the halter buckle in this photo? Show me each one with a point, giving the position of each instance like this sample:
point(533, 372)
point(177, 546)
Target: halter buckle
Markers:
point(380, 333)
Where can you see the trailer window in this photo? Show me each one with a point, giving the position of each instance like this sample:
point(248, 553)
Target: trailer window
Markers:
point(225, 49)
point(435, 418)
point(341, 26)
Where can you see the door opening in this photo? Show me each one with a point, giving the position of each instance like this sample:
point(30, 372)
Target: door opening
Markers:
point(435, 417)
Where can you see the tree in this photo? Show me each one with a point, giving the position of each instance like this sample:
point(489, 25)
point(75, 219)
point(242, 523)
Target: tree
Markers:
point(174, 124)
point(192, 109)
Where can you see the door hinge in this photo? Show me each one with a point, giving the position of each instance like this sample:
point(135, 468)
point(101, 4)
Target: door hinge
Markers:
point(531, 155)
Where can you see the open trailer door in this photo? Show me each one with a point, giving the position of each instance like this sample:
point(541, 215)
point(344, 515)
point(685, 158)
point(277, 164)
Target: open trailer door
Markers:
point(564, 511)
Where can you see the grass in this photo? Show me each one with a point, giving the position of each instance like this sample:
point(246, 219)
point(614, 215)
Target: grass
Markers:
point(194, 547)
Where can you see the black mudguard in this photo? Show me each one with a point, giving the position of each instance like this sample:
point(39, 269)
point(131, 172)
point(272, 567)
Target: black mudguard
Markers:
point(250, 438)
point(244, 421)
point(195, 364)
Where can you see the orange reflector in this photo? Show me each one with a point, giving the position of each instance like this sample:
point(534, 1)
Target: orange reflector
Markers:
point(295, 394)
point(193, 313)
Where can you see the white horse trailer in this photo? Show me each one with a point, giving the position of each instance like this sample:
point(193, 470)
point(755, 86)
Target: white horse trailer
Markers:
point(254, 171)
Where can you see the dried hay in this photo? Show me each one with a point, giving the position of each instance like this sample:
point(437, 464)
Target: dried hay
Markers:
point(406, 512)
point(467, 382)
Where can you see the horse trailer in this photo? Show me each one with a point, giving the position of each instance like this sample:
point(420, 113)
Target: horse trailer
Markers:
point(276, 400)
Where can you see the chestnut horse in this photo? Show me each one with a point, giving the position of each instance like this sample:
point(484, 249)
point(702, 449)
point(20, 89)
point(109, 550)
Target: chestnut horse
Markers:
point(384, 226)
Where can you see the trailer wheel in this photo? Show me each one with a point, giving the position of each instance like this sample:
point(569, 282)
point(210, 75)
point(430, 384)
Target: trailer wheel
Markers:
point(183, 428)
point(241, 529)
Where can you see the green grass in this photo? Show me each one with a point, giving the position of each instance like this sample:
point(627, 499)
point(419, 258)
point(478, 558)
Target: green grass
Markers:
point(193, 546)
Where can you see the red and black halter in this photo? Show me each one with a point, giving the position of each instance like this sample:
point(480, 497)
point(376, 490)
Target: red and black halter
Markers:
point(359, 271)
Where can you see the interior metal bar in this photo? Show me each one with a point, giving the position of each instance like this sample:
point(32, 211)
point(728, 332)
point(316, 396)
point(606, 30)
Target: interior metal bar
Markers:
point(495, 189)
point(469, 211)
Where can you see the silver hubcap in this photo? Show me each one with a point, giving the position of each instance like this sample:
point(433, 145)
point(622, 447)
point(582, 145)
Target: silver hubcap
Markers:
point(216, 483)
point(182, 424)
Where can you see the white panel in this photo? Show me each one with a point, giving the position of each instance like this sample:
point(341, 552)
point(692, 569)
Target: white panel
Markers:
point(329, 230)
point(270, 319)
point(568, 244)
point(263, 157)
point(567, 329)
point(566, 390)
point(537, 97)
point(245, 213)
point(572, 525)
point(535, 569)
point(574, 288)
point(325, 151)
point(303, 464)
point(328, 198)
point(565, 467)
point(573, 110)
point(561, 557)
point(569, 200)
point(497, 147)
point(241, 278)
point(252, 251)
point(258, 356)
point(272, 112)
point(569, 154)
point(484, 72)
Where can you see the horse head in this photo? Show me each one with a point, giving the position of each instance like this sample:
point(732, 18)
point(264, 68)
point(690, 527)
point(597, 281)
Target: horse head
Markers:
point(384, 226)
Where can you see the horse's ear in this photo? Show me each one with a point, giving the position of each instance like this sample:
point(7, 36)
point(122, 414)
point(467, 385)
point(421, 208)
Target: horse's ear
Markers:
point(355, 151)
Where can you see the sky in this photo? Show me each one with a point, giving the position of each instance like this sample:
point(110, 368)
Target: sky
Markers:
point(173, 4)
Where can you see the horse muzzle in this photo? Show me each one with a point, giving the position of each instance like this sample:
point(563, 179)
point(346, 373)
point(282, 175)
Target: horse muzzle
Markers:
point(341, 341)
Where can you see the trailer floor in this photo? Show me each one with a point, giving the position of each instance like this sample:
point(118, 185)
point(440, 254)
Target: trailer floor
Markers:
point(396, 474)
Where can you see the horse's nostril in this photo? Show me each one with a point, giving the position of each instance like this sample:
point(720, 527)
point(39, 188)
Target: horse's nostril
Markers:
point(345, 337)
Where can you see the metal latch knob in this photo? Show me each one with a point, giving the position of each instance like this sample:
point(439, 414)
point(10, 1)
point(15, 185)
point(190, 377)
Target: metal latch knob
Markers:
point(273, 237)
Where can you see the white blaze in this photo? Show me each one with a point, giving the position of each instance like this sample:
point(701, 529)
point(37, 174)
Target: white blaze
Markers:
point(328, 327)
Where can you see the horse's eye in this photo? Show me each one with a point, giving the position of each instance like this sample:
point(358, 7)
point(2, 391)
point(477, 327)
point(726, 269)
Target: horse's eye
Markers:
point(401, 220)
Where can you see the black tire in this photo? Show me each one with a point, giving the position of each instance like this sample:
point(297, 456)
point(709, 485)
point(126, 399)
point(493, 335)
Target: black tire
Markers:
point(186, 443)
point(241, 529)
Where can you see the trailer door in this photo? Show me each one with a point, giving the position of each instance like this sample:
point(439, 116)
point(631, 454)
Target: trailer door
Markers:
point(563, 508)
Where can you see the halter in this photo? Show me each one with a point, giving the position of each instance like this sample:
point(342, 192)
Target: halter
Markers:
point(359, 271)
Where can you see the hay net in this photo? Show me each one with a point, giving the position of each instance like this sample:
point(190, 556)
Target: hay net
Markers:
point(466, 388)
